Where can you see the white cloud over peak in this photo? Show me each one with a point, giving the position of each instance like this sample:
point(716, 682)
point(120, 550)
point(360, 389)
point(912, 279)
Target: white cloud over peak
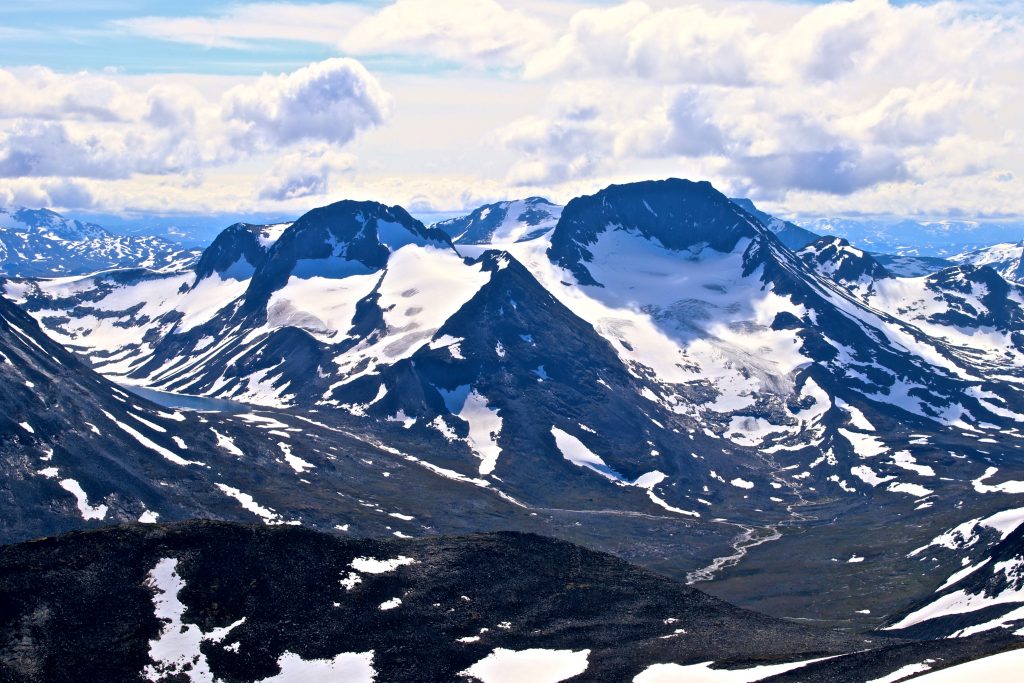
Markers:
point(571, 142)
point(683, 44)
point(305, 173)
point(860, 105)
point(50, 192)
point(834, 98)
point(330, 100)
point(476, 32)
point(40, 93)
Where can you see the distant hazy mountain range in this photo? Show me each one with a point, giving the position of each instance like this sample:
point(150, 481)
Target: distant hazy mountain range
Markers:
point(42, 243)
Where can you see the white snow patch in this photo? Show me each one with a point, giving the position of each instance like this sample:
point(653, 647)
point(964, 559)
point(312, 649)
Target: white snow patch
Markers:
point(484, 424)
point(247, 502)
point(176, 650)
point(535, 665)
point(399, 515)
point(576, 452)
point(1005, 487)
point(904, 672)
point(1005, 666)
point(915, 490)
point(369, 565)
point(148, 443)
point(857, 419)
point(703, 673)
point(347, 667)
point(227, 443)
point(294, 461)
point(864, 445)
point(87, 511)
point(907, 461)
point(966, 535)
point(868, 475)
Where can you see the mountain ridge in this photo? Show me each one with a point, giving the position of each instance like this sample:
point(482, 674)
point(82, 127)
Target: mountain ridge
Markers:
point(744, 390)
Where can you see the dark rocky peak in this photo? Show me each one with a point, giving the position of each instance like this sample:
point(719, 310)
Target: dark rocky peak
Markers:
point(345, 238)
point(967, 278)
point(237, 251)
point(836, 258)
point(677, 214)
point(357, 231)
point(978, 296)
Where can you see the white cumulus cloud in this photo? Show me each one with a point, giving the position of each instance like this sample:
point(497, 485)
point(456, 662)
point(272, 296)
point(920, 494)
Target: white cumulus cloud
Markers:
point(85, 125)
point(477, 32)
point(305, 173)
point(330, 100)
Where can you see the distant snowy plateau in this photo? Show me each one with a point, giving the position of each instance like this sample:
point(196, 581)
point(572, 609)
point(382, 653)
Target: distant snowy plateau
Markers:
point(813, 426)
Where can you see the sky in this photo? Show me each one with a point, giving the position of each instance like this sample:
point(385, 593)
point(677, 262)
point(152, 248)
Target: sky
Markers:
point(860, 107)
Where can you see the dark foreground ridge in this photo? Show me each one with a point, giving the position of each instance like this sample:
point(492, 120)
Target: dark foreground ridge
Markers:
point(245, 603)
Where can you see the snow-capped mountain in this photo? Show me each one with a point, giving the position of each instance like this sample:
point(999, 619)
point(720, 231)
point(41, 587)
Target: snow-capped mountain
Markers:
point(51, 222)
point(1006, 259)
point(335, 311)
point(658, 353)
point(79, 451)
point(952, 305)
point(42, 243)
point(838, 260)
point(358, 307)
point(303, 606)
point(631, 251)
point(515, 221)
point(242, 247)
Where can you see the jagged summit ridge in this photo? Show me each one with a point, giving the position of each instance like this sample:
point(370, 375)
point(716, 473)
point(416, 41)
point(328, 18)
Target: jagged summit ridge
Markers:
point(236, 252)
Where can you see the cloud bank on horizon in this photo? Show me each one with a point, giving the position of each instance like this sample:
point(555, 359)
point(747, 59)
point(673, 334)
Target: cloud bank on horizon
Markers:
point(865, 106)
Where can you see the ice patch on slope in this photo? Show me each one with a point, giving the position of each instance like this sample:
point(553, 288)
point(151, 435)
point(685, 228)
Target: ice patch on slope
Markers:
point(536, 665)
